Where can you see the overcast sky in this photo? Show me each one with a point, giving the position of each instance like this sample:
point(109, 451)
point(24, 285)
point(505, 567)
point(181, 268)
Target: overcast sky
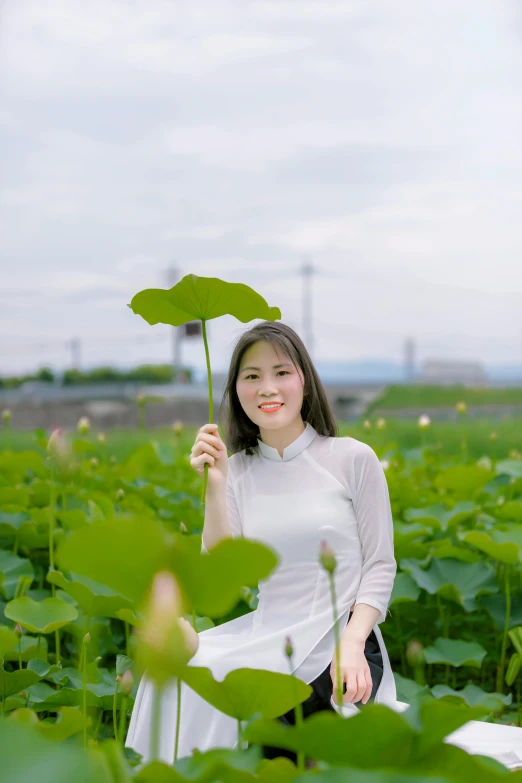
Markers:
point(380, 139)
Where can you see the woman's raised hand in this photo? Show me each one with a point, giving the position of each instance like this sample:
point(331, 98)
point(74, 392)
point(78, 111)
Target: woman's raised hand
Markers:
point(208, 447)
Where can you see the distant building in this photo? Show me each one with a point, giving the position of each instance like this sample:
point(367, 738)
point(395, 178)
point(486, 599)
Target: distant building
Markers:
point(445, 372)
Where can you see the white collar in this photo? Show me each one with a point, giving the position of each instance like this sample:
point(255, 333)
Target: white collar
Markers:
point(293, 449)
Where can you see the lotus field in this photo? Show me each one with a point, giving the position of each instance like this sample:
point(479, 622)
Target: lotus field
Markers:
point(100, 558)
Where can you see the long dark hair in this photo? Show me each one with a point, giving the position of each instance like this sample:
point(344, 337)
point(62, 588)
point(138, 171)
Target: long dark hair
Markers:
point(240, 431)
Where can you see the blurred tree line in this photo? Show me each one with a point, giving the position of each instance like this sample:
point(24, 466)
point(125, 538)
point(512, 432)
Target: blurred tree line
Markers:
point(144, 373)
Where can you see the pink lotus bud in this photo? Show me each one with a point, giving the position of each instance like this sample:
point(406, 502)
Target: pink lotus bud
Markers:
point(182, 527)
point(289, 650)
point(327, 557)
point(18, 630)
point(127, 682)
point(178, 426)
point(120, 494)
point(87, 638)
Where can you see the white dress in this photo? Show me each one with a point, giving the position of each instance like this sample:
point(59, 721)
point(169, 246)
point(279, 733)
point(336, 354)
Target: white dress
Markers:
point(331, 488)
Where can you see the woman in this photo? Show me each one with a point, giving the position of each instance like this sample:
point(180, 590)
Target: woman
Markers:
point(292, 484)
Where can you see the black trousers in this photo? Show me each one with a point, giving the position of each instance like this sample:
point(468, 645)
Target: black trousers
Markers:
point(322, 686)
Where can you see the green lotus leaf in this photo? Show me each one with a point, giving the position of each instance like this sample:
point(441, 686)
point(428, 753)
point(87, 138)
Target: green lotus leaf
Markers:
point(70, 721)
point(511, 467)
point(12, 568)
point(27, 756)
point(454, 580)
point(462, 481)
point(11, 522)
point(8, 641)
point(30, 649)
point(245, 692)
point(473, 696)
point(455, 652)
point(502, 545)
point(201, 298)
point(96, 599)
point(19, 680)
point(440, 517)
point(495, 606)
point(404, 589)
point(123, 554)
point(40, 616)
point(377, 738)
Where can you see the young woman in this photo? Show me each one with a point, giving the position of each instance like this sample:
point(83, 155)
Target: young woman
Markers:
point(290, 483)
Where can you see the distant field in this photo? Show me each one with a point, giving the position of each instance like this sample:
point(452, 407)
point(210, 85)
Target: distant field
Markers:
point(403, 433)
point(397, 396)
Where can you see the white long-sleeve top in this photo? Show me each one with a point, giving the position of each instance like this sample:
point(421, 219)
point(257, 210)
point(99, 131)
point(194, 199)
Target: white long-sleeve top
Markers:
point(322, 488)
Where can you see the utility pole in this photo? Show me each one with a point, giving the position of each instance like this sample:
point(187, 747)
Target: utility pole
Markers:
point(409, 360)
point(75, 347)
point(173, 277)
point(306, 270)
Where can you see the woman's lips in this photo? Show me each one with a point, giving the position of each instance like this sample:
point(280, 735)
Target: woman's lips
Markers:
point(271, 410)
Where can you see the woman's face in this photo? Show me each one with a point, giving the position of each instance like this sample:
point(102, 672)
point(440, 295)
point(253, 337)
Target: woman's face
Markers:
point(259, 380)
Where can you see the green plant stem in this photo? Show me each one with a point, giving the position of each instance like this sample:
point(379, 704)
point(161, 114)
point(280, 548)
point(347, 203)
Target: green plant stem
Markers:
point(339, 687)
point(114, 713)
point(84, 670)
point(210, 406)
point(98, 723)
point(298, 722)
point(155, 722)
point(20, 653)
point(123, 719)
point(126, 639)
point(178, 719)
point(500, 670)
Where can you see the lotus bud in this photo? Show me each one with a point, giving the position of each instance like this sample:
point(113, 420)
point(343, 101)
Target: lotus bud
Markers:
point(415, 653)
point(164, 647)
point(87, 638)
point(95, 462)
point(424, 421)
point(127, 682)
point(492, 435)
point(367, 424)
point(120, 494)
point(84, 425)
point(461, 407)
point(101, 437)
point(289, 650)
point(6, 416)
point(385, 464)
point(18, 631)
point(380, 423)
point(182, 527)
point(59, 449)
point(327, 557)
point(178, 426)
point(140, 398)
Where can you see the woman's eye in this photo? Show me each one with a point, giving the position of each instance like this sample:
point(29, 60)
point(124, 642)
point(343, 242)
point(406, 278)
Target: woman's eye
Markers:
point(253, 375)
